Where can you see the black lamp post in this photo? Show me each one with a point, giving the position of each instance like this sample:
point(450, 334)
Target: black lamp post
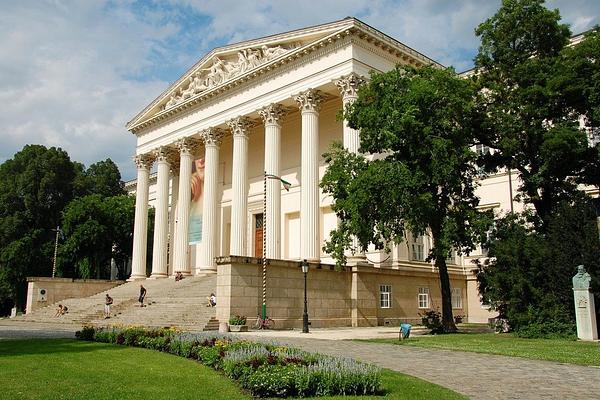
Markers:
point(305, 315)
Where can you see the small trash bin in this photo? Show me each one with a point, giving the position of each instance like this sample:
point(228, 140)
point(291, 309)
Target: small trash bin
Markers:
point(404, 331)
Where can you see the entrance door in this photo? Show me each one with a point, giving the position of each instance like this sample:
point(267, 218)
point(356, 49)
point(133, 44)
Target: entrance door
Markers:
point(258, 235)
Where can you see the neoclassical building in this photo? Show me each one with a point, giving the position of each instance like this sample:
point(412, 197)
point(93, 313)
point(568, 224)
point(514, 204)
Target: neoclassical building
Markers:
point(271, 106)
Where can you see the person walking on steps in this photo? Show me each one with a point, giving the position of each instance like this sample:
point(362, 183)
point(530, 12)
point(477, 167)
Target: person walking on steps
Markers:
point(107, 303)
point(142, 295)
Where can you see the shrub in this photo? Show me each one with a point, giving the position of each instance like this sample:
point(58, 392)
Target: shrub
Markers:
point(237, 320)
point(86, 333)
point(271, 381)
point(266, 370)
point(432, 320)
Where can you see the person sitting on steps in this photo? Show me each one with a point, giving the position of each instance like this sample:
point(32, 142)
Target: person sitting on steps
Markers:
point(59, 311)
point(212, 300)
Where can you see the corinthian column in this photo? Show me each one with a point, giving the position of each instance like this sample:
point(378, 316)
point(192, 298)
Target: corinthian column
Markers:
point(173, 208)
point(180, 250)
point(310, 240)
point(272, 116)
point(212, 141)
point(140, 230)
point(348, 86)
point(239, 182)
point(161, 216)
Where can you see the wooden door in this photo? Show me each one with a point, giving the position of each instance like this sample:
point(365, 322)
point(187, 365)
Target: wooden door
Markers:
point(258, 235)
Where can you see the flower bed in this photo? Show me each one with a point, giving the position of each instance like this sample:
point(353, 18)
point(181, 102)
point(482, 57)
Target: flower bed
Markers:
point(266, 370)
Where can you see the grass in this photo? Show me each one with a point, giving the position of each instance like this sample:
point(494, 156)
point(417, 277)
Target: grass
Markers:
point(506, 344)
point(69, 369)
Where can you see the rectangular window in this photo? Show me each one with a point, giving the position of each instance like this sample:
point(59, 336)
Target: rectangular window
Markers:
point(418, 249)
point(423, 297)
point(385, 296)
point(456, 298)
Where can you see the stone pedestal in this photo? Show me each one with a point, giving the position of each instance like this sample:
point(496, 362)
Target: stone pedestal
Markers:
point(585, 310)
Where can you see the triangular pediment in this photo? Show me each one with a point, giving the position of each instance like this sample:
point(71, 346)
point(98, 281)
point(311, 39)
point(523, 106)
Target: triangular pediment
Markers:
point(235, 63)
point(227, 63)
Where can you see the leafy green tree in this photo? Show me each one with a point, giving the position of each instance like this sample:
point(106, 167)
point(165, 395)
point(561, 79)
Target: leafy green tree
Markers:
point(528, 275)
point(419, 126)
point(104, 178)
point(35, 185)
point(97, 229)
point(533, 105)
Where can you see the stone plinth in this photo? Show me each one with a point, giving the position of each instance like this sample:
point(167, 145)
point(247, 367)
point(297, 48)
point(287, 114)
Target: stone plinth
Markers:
point(42, 291)
point(335, 298)
point(585, 310)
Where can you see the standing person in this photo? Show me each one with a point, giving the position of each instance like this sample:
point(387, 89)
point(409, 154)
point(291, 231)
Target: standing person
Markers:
point(142, 295)
point(107, 303)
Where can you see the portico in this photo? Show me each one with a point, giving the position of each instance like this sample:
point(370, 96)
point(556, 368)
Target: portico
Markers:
point(267, 105)
point(263, 106)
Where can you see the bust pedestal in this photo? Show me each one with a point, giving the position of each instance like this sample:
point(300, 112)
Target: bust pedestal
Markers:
point(585, 310)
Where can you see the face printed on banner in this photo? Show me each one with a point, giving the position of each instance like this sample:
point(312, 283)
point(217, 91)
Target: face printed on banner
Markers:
point(197, 188)
point(197, 179)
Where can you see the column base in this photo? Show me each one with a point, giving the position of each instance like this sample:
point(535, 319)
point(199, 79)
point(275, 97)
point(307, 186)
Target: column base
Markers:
point(209, 269)
point(134, 278)
point(356, 259)
point(158, 276)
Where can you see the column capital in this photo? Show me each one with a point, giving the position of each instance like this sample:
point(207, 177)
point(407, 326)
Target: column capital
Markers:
point(309, 100)
point(163, 154)
point(187, 145)
point(272, 114)
point(212, 136)
point(239, 126)
point(349, 85)
point(143, 161)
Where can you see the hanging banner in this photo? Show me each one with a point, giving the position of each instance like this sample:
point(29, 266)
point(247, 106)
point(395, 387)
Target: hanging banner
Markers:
point(197, 187)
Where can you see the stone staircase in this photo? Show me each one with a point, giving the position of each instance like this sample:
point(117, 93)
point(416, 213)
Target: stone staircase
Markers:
point(168, 303)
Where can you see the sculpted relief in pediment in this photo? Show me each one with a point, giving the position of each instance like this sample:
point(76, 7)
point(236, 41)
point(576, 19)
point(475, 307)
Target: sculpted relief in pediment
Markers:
point(223, 70)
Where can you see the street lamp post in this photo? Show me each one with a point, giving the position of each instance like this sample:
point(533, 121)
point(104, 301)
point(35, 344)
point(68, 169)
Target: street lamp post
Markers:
point(305, 315)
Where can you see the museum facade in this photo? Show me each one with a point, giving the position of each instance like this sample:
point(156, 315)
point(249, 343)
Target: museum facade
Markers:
point(269, 107)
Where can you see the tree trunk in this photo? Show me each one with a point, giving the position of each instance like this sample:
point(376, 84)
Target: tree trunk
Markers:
point(439, 252)
point(447, 317)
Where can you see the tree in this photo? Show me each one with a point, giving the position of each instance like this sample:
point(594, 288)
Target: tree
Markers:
point(104, 178)
point(419, 126)
point(533, 106)
point(528, 275)
point(97, 229)
point(35, 185)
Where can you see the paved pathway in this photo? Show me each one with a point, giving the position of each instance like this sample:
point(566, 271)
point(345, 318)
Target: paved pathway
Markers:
point(478, 376)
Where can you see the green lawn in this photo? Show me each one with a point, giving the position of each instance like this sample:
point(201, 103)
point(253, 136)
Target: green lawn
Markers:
point(68, 369)
point(561, 350)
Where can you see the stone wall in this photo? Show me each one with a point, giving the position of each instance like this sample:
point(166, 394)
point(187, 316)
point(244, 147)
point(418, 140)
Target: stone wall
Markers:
point(58, 289)
point(335, 298)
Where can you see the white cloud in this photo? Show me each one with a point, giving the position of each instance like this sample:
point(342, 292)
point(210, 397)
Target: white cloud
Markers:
point(72, 73)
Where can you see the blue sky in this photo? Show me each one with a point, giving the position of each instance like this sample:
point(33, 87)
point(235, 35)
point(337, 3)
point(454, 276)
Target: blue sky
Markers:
point(72, 73)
